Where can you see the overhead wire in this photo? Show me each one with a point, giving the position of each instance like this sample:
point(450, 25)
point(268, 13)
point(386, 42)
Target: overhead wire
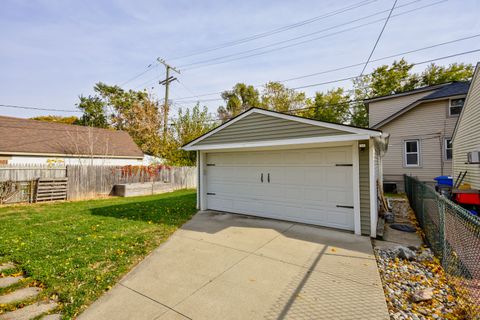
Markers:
point(155, 64)
point(379, 37)
point(276, 31)
point(222, 60)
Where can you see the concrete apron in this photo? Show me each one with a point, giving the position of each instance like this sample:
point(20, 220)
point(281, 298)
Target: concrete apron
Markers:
point(226, 266)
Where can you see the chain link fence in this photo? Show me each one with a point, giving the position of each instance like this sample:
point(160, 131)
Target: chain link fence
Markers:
point(453, 233)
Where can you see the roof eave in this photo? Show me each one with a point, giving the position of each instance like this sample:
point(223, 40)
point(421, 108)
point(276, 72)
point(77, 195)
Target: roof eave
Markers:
point(281, 142)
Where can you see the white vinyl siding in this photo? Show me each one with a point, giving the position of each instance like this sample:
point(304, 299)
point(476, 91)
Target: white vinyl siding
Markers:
point(467, 137)
point(380, 110)
point(411, 153)
point(429, 123)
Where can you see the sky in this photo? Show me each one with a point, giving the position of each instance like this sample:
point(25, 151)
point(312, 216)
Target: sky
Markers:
point(52, 51)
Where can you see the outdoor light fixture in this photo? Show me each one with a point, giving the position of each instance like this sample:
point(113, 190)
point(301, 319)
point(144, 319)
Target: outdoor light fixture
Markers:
point(362, 146)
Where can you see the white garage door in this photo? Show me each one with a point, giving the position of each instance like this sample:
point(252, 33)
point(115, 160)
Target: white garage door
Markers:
point(313, 186)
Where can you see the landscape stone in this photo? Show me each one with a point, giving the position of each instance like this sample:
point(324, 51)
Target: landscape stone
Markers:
point(6, 266)
point(29, 312)
point(422, 295)
point(20, 295)
point(405, 253)
point(8, 281)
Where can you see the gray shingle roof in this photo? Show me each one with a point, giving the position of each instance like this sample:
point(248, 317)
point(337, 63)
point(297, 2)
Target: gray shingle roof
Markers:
point(449, 90)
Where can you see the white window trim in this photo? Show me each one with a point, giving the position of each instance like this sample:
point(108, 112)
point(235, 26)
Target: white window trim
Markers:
point(405, 153)
point(445, 149)
point(450, 106)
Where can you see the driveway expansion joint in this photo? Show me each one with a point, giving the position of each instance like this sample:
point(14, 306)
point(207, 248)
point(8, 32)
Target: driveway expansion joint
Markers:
point(156, 301)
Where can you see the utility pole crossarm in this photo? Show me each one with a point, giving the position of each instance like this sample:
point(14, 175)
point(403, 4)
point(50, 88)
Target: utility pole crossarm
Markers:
point(166, 83)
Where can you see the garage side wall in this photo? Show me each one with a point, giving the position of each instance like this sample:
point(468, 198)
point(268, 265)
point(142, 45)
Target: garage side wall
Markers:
point(363, 157)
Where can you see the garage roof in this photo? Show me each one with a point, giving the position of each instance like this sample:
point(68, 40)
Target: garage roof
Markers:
point(258, 128)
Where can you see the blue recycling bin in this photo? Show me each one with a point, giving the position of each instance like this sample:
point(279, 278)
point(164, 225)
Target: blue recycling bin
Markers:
point(444, 181)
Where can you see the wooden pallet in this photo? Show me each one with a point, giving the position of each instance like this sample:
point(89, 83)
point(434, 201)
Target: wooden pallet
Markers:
point(51, 189)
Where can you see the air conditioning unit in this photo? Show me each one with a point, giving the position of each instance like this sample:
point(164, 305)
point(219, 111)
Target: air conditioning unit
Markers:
point(473, 157)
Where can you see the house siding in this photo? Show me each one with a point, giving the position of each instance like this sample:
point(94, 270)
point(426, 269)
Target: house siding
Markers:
point(380, 110)
point(430, 124)
point(467, 137)
point(259, 127)
point(364, 175)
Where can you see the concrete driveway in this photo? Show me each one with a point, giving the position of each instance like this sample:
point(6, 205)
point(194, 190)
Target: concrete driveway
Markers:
point(226, 266)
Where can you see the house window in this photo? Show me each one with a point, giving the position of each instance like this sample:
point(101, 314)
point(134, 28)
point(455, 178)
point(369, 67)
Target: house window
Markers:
point(456, 106)
point(448, 149)
point(412, 153)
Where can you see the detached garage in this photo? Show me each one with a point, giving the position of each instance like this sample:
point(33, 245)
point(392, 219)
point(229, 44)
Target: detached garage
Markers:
point(274, 165)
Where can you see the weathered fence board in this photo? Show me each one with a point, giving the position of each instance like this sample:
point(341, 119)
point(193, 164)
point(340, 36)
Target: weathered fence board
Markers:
point(30, 172)
point(87, 182)
point(51, 189)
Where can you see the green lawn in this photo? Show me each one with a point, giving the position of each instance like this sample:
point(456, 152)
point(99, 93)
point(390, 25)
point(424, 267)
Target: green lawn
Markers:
point(77, 250)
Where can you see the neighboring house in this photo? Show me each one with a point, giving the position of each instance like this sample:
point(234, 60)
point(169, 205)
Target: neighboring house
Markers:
point(420, 123)
point(466, 138)
point(273, 165)
point(25, 141)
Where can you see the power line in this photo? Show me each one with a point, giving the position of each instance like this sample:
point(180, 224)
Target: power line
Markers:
point(277, 30)
point(311, 85)
point(382, 58)
point(37, 108)
point(352, 77)
point(151, 66)
point(255, 37)
point(298, 37)
point(416, 63)
point(378, 38)
point(221, 60)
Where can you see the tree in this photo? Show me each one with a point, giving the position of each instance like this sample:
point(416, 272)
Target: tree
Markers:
point(277, 97)
point(94, 114)
point(189, 125)
point(237, 100)
point(397, 78)
point(135, 112)
point(332, 106)
point(386, 80)
point(434, 74)
point(57, 119)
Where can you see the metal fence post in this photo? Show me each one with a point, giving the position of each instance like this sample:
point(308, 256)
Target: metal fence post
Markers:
point(441, 216)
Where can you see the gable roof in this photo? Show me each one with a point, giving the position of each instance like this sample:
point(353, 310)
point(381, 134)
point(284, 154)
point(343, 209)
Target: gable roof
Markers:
point(406, 93)
point(33, 137)
point(444, 91)
point(450, 90)
point(475, 78)
point(347, 129)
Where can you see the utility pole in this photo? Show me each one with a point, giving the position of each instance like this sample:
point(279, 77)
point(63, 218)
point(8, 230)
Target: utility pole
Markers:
point(166, 83)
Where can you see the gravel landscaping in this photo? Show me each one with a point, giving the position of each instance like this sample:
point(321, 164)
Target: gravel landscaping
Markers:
point(416, 288)
point(414, 282)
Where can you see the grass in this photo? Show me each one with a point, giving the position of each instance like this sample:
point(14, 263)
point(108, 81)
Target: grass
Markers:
point(395, 195)
point(78, 250)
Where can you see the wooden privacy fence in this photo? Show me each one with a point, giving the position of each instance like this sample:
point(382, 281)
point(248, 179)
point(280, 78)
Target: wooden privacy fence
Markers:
point(90, 181)
point(87, 182)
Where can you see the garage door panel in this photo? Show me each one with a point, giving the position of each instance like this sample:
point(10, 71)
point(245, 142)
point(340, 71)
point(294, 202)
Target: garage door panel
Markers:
point(234, 190)
point(339, 177)
point(334, 157)
point(294, 176)
point(305, 185)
